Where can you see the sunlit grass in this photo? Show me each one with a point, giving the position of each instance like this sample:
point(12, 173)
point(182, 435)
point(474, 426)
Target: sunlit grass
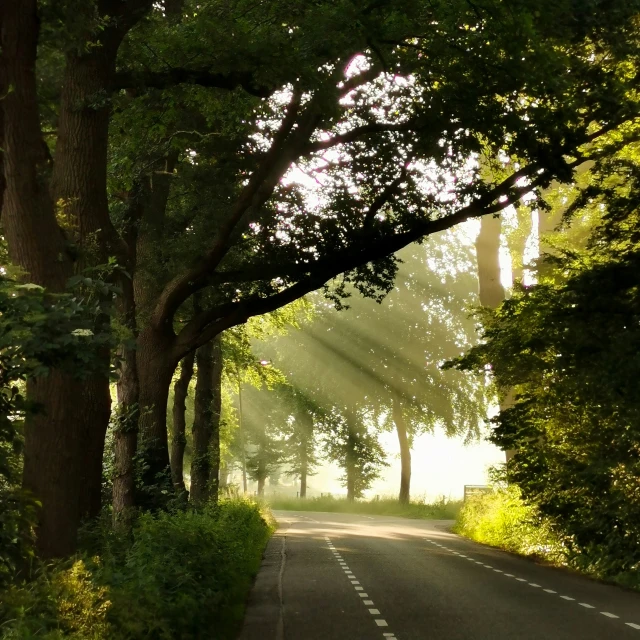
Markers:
point(442, 509)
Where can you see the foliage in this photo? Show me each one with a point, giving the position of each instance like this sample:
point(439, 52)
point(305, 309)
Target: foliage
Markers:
point(38, 331)
point(568, 346)
point(354, 446)
point(501, 519)
point(180, 575)
point(441, 509)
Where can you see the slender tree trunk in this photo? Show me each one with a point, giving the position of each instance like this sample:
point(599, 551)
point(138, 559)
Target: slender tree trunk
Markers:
point(491, 291)
point(202, 428)
point(306, 443)
point(351, 464)
point(303, 478)
point(128, 387)
point(156, 366)
point(405, 452)
point(179, 439)
point(216, 412)
point(243, 453)
point(261, 482)
point(126, 438)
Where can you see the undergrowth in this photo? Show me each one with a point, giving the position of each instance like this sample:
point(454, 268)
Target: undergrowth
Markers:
point(182, 575)
point(502, 519)
point(441, 509)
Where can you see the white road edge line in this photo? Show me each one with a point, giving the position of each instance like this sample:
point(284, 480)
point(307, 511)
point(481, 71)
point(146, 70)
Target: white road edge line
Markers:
point(585, 605)
point(381, 623)
point(632, 625)
point(609, 615)
point(374, 612)
point(567, 598)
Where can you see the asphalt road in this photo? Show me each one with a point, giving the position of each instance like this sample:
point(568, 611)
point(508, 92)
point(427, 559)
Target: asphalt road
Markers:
point(350, 577)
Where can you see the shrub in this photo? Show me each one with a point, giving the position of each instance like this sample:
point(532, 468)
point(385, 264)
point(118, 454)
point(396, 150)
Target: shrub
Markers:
point(501, 519)
point(179, 575)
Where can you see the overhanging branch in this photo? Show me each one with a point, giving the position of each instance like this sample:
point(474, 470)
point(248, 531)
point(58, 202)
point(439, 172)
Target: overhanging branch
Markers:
point(205, 78)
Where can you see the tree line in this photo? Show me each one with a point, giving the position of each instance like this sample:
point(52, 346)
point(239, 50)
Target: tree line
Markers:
point(154, 161)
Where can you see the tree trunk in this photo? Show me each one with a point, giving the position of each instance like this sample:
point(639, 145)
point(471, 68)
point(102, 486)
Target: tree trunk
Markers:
point(156, 366)
point(243, 453)
point(179, 439)
point(125, 438)
point(303, 478)
point(491, 291)
point(202, 424)
point(64, 441)
point(128, 387)
point(261, 482)
point(351, 464)
point(405, 452)
point(216, 412)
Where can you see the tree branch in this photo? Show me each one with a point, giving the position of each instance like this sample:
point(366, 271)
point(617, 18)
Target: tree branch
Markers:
point(287, 146)
point(127, 79)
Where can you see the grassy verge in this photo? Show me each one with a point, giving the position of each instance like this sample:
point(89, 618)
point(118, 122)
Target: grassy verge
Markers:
point(178, 575)
point(440, 510)
point(501, 519)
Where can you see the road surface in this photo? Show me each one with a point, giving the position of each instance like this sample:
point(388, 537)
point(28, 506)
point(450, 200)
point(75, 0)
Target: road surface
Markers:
point(328, 576)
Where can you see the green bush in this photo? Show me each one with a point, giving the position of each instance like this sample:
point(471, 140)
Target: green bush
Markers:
point(501, 519)
point(179, 575)
point(441, 509)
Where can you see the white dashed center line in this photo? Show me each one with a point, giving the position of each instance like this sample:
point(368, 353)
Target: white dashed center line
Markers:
point(360, 590)
point(607, 614)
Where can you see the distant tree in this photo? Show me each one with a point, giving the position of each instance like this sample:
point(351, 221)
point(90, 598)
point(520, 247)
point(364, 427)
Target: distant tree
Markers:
point(354, 446)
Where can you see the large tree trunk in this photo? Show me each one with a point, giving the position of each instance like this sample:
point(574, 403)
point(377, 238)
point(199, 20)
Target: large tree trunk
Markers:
point(64, 441)
point(179, 439)
point(491, 291)
point(405, 452)
point(216, 412)
point(261, 482)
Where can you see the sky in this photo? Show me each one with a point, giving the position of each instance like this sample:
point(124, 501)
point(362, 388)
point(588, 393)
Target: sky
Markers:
point(441, 467)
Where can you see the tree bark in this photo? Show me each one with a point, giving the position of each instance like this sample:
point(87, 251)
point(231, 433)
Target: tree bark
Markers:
point(405, 452)
point(156, 364)
point(261, 483)
point(126, 437)
point(179, 439)
point(64, 441)
point(216, 412)
point(206, 419)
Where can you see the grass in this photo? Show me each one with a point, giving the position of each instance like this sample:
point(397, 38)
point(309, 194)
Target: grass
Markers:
point(441, 509)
